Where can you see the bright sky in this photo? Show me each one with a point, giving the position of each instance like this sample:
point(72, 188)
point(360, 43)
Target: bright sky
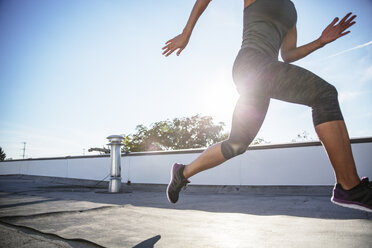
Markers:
point(73, 72)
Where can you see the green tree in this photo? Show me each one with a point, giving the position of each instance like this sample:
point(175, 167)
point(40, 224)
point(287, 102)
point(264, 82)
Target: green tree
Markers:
point(259, 141)
point(2, 154)
point(180, 133)
point(302, 137)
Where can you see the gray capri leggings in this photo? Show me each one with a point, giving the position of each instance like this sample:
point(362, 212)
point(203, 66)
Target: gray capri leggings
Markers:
point(259, 77)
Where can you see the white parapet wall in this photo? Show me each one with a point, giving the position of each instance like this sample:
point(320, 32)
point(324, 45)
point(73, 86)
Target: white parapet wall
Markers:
point(302, 164)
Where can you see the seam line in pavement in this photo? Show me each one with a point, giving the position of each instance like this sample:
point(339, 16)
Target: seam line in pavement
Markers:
point(27, 203)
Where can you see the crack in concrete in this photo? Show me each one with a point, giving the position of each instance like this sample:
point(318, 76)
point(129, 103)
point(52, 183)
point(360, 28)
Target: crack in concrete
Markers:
point(52, 236)
point(27, 203)
point(58, 213)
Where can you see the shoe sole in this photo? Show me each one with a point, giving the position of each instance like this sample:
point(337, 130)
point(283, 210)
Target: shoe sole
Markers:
point(351, 205)
point(171, 179)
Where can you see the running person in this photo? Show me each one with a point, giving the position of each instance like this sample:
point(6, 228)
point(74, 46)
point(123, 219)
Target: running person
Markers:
point(270, 26)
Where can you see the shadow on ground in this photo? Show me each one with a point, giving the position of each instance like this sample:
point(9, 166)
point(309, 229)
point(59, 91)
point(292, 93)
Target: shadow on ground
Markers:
point(149, 243)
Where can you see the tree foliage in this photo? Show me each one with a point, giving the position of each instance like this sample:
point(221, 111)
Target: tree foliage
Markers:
point(2, 155)
point(259, 141)
point(180, 133)
point(302, 137)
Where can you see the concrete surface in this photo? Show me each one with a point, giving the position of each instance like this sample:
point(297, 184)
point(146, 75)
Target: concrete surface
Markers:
point(44, 213)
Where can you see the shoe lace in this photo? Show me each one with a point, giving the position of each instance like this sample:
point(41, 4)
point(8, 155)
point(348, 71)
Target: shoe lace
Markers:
point(185, 182)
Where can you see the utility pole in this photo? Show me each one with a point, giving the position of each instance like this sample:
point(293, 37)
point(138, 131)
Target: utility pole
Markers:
point(24, 149)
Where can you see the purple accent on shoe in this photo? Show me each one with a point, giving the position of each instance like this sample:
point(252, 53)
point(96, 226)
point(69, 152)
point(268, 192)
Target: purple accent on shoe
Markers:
point(339, 193)
point(359, 197)
point(352, 202)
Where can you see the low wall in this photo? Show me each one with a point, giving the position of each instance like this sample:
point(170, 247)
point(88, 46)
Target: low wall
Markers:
point(300, 164)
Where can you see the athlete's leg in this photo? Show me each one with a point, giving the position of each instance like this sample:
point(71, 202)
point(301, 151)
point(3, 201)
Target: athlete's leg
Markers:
point(335, 139)
point(210, 158)
point(295, 84)
point(249, 113)
point(248, 117)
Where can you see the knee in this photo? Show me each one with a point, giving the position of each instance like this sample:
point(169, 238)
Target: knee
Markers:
point(331, 91)
point(324, 96)
point(231, 149)
point(327, 93)
point(326, 107)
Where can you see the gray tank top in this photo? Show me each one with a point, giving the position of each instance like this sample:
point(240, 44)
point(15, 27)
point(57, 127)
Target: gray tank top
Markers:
point(266, 22)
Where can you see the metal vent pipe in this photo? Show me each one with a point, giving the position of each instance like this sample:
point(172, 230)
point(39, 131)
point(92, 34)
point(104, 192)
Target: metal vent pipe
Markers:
point(115, 141)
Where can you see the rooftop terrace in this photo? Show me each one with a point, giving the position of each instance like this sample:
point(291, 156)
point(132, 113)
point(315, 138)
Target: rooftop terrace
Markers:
point(52, 212)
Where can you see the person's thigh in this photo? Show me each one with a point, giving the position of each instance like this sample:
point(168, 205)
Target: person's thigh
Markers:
point(248, 117)
point(259, 75)
point(295, 84)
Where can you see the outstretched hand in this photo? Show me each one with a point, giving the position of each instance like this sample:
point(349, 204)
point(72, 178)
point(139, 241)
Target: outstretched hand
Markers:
point(335, 31)
point(179, 42)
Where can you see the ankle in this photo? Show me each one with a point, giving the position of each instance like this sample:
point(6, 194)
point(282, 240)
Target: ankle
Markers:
point(347, 185)
point(185, 172)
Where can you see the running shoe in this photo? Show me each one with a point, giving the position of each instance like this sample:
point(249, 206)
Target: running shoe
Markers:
point(176, 183)
point(359, 197)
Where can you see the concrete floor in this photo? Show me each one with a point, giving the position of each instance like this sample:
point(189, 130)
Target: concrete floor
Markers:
point(45, 213)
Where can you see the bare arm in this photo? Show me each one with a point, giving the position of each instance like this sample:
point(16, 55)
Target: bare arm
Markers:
point(290, 52)
point(180, 41)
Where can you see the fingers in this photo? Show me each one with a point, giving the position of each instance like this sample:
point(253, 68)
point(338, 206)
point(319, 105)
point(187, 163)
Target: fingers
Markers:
point(166, 47)
point(334, 22)
point(179, 51)
point(345, 33)
point(343, 25)
point(177, 43)
point(347, 21)
point(171, 47)
point(350, 24)
point(167, 43)
point(168, 50)
point(345, 18)
point(351, 19)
